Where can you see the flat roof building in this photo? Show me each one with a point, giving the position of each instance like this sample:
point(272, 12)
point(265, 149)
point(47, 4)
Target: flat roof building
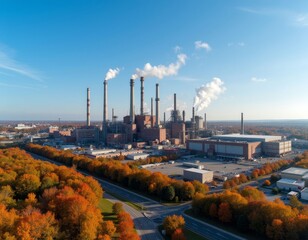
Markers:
point(247, 138)
point(198, 174)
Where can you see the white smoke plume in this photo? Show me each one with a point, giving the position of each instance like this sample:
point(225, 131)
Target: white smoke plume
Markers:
point(161, 71)
point(112, 73)
point(207, 93)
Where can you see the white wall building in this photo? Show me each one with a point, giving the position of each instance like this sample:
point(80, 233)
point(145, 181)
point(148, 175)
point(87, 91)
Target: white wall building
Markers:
point(198, 174)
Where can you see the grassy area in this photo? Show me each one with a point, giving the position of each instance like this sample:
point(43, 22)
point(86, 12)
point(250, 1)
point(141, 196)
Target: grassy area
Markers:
point(106, 208)
point(192, 236)
point(136, 206)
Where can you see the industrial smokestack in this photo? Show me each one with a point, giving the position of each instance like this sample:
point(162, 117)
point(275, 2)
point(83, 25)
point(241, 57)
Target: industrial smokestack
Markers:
point(88, 107)
point(132, 101)
point(205, 122)
point(141, 95)
point(193, 114)
point(183, 115)
point(242, 123)
point(174, 109)
point(164, 118)
point(152, 120)
point(105, 112)
point(157, 105)
point(112, 118)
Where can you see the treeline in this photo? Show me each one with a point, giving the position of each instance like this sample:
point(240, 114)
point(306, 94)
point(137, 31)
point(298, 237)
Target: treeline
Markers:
point(156, 184)
point(302, 160)
point(248, 210)
point(266, 169)
point(39, 200)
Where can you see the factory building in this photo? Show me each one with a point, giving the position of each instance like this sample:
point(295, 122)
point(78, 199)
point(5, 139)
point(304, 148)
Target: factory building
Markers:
point(87, 135)
point(295, 179)
point(239, 146)
point(137, 156)
point(198, 174)
point(290, 184)
point(296, 174)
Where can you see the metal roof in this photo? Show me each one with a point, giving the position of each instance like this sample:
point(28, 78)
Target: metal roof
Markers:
point(296, 171)
point(246, 137)
point(197, 170)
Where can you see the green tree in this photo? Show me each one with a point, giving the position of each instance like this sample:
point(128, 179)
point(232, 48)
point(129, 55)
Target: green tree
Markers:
point(168, 193)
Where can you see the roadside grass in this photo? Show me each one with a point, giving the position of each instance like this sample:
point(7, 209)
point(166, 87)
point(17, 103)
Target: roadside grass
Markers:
point(136, 206)
point(106, 208)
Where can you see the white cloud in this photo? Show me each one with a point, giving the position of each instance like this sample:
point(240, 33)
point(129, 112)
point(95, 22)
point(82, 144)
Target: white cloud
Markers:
point(202, 45)
point(290, 17)
point(177, 49)
point(258, 80)
point(9, 64)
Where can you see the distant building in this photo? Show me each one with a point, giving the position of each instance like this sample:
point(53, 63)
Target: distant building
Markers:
point(290, 184)
point(137, 156)
point(22, 126)
point(87, 135)
point(198, 174)
point(296, 173)
point(238, 146)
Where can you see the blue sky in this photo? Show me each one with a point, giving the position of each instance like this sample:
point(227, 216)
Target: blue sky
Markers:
point(51, 51)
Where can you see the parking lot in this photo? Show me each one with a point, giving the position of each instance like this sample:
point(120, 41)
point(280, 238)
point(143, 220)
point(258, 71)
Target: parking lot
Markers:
point(226, 168)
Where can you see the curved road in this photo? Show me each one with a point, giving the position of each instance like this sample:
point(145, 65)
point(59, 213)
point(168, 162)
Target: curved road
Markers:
point(146, 222)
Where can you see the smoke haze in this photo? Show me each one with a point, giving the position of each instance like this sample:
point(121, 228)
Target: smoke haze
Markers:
point(112, 73)
point(207, 93)
point(161, 71)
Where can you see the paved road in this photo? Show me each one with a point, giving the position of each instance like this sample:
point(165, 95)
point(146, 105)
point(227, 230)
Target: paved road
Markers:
point(146, 222)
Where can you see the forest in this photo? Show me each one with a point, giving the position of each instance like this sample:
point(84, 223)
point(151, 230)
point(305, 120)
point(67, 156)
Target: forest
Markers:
point(248, 210)
point(39, 200)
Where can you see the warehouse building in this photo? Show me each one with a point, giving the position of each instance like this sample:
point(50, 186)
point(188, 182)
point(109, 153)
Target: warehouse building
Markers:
point(295, 173)
point(137, 156)
point(240, 146)
point(198, 174)
point(290, 184)
point(304, 194)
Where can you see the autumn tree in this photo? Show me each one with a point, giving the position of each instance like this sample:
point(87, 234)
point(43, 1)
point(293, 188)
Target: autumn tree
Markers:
point(35, 225)
point(178, 235)
point(275, 230)
point(108, 228)
point(27, 183)
point(117, 208)
point(171, 223)
point(224, 213)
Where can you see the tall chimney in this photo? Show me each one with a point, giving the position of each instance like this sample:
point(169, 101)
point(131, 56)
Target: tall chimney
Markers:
point(105, 113)
point(242, 123)
point(141, 95)
point(183, 114)
point(205, 122)
point(174, 109)
point(164, 118)
point(132, 101)
point(193, 114)
point(88, 107)
point(112, 118)
point(157, 105)
point(152, 120)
